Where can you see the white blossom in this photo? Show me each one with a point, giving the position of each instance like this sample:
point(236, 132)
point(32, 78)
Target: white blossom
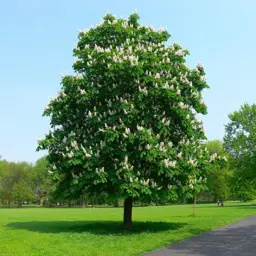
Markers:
point(179, 155)
point(157, 75)
point(179, 53)
point(140, 128)
point(191, 186)
point(169, 163)
point(39, 140)
point(148, 147)
point(70, 154)
point(87, 155)
point(127, 130)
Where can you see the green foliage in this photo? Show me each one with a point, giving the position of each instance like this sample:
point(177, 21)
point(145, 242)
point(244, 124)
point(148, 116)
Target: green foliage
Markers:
point(22, 181)
point(15, 181)
point(126, 122)
point(215, 146)
point(22, 192)
point(218, 183)
point(42, 182)
point(219, 177)
point(240, 143)
point(244, 190)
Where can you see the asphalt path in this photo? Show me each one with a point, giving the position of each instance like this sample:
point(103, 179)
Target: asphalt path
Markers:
point(237, 239)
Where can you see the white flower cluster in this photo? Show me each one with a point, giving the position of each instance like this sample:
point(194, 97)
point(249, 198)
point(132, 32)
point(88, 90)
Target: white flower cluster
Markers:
point(183, 105)
point(168, 163)
point(180, 53)
point(140, 128)
point(134, 60)
point(82, 91)
point(167, 86)
point(87, 155)
point(74, 145)
point(99, 170)
point(126, 165)
point(162, 146)
point(148, 147)
point(213, 157)
point(144, 90)
point(145, 182)
point(179, 155)
point(166, 121)
point(192, 162)
point(70, 154)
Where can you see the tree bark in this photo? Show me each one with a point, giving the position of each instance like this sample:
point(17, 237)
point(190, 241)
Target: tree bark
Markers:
point(86, 201)
point(116, 203)
point(83, 201)
point(194, 206)
point(128, 213)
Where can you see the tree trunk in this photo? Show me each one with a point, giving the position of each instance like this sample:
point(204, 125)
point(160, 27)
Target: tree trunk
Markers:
point(83, 201)
point(116, 203)
point(194, 206)
point(19, 204)
point(128, 213)
point(86, 201)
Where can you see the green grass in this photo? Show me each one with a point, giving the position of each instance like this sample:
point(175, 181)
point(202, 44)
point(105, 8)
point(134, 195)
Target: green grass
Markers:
point(97, 231)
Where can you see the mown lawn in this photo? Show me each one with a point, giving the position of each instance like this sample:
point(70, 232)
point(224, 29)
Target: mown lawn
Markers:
point(97, 231)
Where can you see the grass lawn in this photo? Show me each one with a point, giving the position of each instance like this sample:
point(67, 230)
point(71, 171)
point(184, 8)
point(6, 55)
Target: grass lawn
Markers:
point(97, 231)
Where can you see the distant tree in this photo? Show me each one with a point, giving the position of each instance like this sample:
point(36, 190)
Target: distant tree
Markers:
point(14, 174)
point(240, 143)
point(219, 181)
point(219, 177)
point(5, 183)
point(126, 123)
point(42, 182)
point(22, 192)
point(243, 190)
point(215, 146)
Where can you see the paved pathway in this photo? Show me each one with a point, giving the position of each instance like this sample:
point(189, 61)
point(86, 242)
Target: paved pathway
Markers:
point(237, 239)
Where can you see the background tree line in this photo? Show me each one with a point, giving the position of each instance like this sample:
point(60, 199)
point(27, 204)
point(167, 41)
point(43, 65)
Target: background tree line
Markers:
point(30, 184)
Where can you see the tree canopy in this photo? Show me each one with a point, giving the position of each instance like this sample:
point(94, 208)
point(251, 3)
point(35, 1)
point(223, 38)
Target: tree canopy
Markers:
point(240, 140)
point(240, 143)
point(126, 123)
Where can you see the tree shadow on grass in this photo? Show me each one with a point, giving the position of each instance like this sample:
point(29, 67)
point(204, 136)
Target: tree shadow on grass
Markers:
point(95, 227)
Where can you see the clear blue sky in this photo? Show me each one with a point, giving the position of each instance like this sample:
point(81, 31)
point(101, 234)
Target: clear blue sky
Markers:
point(37, 39)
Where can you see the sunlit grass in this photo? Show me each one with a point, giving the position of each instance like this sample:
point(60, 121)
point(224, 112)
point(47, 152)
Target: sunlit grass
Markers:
point(97, 231)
